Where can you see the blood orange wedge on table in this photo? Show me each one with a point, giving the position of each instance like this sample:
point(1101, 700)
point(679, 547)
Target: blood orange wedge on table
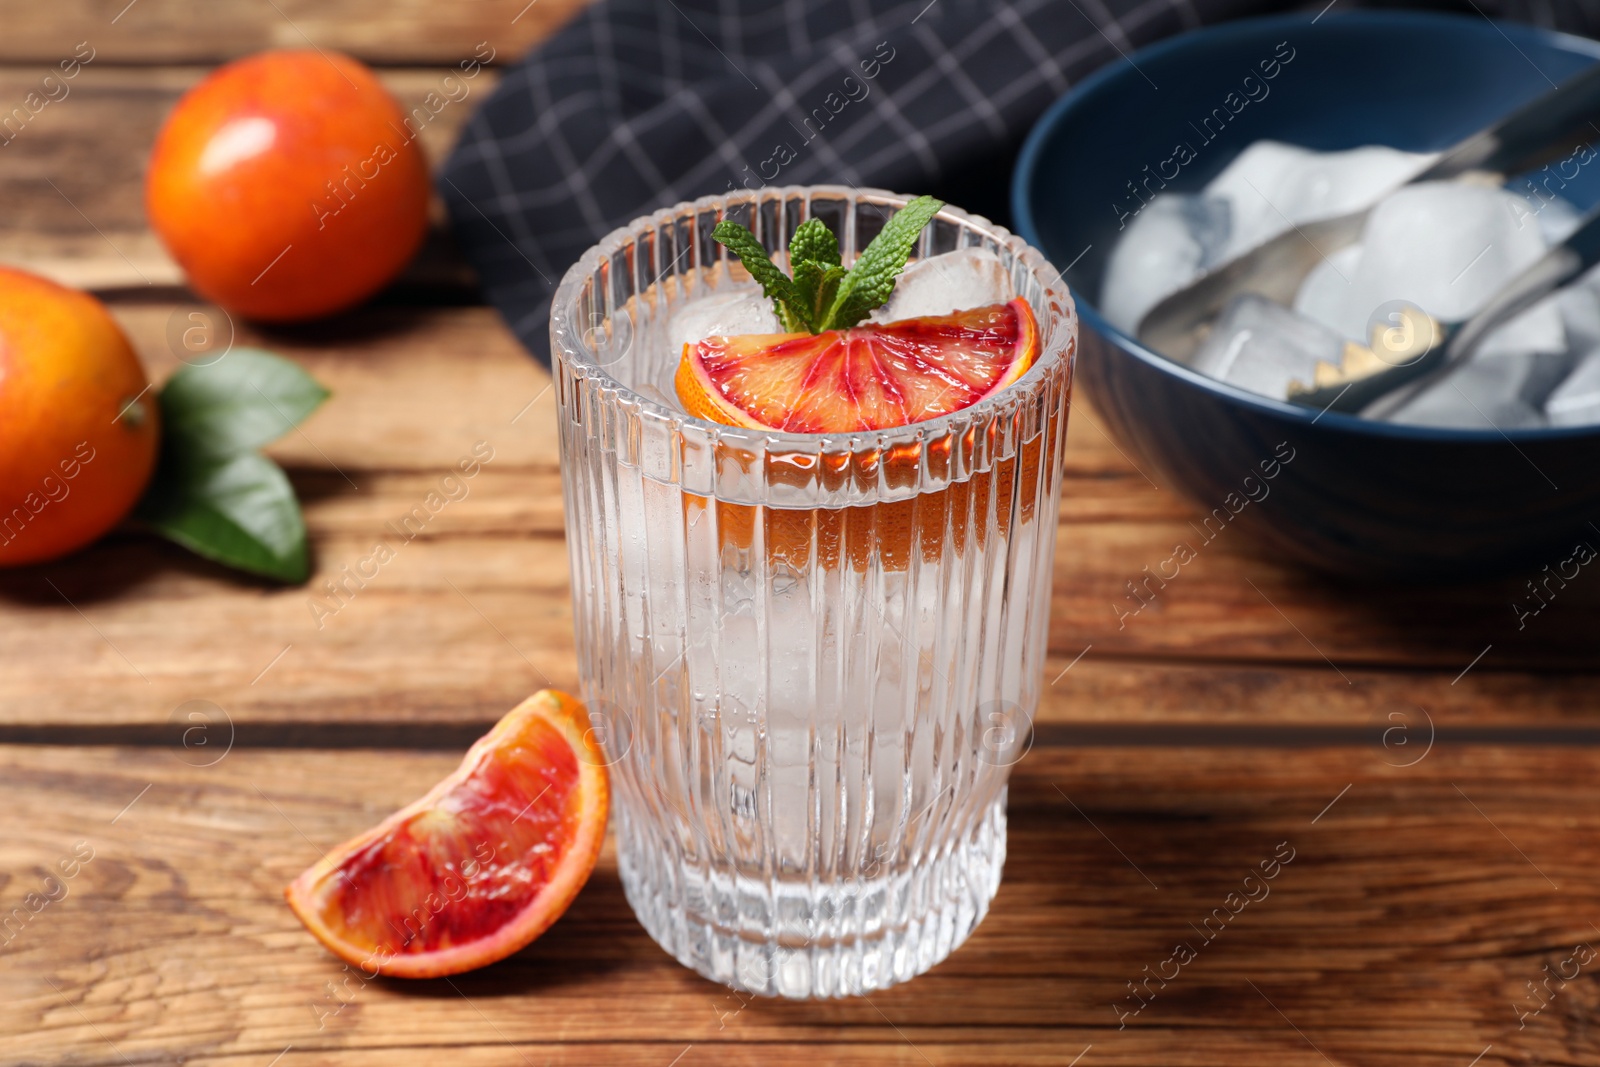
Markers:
point(478, 867)
point(869, 377)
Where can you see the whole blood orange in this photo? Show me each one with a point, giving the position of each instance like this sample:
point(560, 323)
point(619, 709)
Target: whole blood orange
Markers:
point(478, 867)
point(864, 378)
point(288, 185)
point(79, 428)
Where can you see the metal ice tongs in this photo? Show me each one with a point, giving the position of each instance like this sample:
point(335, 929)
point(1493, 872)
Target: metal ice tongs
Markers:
point(1529, 137)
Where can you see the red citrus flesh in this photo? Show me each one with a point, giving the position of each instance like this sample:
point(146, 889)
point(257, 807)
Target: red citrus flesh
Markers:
point(869, 377)
point(478, 867)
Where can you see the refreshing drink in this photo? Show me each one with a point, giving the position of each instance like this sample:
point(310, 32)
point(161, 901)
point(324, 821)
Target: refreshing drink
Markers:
point(814, 656)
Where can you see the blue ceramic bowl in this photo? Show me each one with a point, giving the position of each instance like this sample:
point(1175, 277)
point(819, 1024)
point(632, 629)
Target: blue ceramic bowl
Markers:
point(1345, 494)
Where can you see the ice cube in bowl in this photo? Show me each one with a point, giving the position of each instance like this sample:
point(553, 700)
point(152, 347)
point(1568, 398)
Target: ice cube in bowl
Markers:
point(1576, 402)
point(1263, 346)
point(1448, 248)
point(1492, 392)
point(1167, 244)
point(1271, 186)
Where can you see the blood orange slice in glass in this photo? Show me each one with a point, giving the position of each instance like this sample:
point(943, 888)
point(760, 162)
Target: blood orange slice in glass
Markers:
point(865, 378)
point(478, 867)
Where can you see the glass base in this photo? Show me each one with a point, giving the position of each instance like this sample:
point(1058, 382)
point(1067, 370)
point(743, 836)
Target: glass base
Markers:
point(804, 939)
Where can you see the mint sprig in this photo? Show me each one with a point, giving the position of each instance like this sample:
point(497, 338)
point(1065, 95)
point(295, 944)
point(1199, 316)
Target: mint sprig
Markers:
point(822, 295)
point(871, 281)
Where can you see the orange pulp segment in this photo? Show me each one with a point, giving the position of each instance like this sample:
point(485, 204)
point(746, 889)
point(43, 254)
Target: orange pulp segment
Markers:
point(478, 867)
point(870, 377)
point(975, 355)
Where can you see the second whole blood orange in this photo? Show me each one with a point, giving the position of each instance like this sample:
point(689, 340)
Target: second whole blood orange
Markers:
point(288, 185)
point(79, 426)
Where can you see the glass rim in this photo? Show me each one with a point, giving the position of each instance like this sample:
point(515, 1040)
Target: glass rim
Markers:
point(567, 347)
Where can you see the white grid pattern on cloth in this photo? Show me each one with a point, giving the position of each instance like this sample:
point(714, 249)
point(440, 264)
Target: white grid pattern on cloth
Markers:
point(891, 114)
point(638, 104)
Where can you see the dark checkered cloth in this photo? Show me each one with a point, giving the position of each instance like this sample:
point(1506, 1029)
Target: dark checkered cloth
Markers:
point(639, 104)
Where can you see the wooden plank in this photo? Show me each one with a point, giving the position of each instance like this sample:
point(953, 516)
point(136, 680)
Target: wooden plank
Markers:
point(172, 31)
point(1418, 904)
point(1020, 1048)
point(457, 630)
point(74, 177)
point(1230, 602)
point(474, 613)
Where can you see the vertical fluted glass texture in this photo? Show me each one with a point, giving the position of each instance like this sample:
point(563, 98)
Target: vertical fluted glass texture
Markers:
point(812, 658)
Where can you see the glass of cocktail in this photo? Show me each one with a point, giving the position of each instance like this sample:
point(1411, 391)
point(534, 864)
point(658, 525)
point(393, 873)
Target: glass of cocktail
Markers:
point(814, 657)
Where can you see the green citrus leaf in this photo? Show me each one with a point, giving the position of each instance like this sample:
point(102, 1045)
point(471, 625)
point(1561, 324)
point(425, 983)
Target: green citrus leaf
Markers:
point(213, 493)
point(237, 510)
point(246, 399)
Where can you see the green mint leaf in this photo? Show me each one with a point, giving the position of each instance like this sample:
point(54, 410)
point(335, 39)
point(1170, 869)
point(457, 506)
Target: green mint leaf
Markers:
point(238, 510)
point(758, 261)
point(817, 285)
point(814, 242)
point(814, 261)
point(828, 291)
point(246, 399)
point(871, 281)
point(807, 279)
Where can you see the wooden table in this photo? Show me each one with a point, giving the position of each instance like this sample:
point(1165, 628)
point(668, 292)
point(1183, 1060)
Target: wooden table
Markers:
point(1430, 767)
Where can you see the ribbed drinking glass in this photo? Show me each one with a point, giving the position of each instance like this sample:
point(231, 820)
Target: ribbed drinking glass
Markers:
point(813, 658)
